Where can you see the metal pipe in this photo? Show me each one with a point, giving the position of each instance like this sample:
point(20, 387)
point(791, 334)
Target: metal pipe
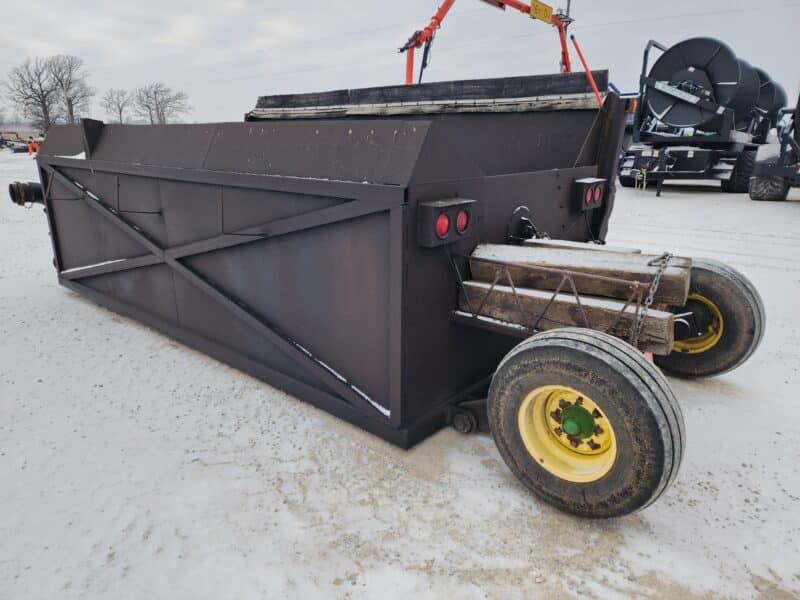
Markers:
point(410, 66)
point(566, 64)
point(26, 193)
point(520, 6)
point(420, 37)
point(589, 75)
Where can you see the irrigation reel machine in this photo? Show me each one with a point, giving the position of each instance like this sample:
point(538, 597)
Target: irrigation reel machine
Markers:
point(702, 115)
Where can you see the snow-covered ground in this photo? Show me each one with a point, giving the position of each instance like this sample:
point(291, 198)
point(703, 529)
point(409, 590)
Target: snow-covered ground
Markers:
point(132, 467)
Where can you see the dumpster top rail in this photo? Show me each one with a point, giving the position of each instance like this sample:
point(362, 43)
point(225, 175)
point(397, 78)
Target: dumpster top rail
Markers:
point(563, 91)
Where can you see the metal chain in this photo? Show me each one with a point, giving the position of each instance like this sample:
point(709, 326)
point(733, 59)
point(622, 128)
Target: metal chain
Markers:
point(662, 262)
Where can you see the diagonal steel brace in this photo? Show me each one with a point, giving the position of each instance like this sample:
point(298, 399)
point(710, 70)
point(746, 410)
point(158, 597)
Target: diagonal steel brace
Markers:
point(170, 256)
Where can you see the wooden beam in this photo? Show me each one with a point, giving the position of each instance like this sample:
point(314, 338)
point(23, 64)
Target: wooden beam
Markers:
point(542, 103)
point(603, 314)
point(622, 267)
point(527, 86)
point(589, 247)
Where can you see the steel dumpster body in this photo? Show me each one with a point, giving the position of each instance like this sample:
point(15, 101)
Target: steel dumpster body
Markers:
point(288, 246)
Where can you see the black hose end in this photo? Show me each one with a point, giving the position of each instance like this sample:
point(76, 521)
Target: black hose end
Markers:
point(25, 193)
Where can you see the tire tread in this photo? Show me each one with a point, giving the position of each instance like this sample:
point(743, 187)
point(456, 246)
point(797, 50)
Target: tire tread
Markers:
point(634, 367)
point(768, 189)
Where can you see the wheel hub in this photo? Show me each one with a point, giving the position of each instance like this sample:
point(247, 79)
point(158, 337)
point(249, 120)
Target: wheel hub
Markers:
point(577, 422)
point(567, 433)
point(709, 326)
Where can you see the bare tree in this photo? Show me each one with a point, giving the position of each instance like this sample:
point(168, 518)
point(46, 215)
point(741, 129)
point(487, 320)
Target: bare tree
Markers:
point(117, 102)
point(160, 104)
point(144, 103)
point(32, 89)
point(71, 78)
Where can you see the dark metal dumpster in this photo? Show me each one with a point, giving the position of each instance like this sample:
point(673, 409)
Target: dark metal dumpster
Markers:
point(324, 245)
point(359, 249)
point(287, 246)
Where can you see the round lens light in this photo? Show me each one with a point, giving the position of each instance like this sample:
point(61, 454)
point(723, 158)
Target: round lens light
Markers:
point(443, 225)
point(598, 193)
point(462, 221)
point(589, 196)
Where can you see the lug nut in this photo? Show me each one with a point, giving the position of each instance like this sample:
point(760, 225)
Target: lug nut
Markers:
point(563, 403)
point(596, 414)
point(593, 445)
point(598, 430)
point(559, 431)
point(556, 416)
point(579, 401)
point(574, 443)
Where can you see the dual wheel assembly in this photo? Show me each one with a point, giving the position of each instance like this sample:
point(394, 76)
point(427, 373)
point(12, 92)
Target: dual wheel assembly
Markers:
point(591, 426)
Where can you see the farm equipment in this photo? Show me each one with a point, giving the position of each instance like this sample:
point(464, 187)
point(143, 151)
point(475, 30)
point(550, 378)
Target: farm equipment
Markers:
point(19, 144)
point(13, 141)
point(385, 254)
point(702, 114)
point(423, 38)
point(777, 167)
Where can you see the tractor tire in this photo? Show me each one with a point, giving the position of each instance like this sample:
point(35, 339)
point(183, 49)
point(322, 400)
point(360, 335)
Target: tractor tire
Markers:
point(768, 189)
point(734, 320)
point(627, 182)
point(586, 423)
point(739, 183)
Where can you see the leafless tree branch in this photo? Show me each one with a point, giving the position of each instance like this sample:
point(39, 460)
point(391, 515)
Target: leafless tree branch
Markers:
point(160, 104)
point(117, 102)
point(71, 78)
point(32, 89)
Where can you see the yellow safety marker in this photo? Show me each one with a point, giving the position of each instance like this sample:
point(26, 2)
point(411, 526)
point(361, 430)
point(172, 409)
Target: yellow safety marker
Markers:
point(541, 11)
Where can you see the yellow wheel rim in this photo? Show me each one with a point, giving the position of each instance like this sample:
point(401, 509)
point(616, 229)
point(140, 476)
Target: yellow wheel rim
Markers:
point(567, 433)
point(712, 334)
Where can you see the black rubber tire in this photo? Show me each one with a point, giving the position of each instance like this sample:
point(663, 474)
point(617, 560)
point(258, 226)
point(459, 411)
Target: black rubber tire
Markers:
point(638, 401)
point(627, 182)
point(768, 189)
point(743, 315)
point(739, 183)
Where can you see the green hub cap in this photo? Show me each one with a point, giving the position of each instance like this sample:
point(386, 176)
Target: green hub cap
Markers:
point(577, 422)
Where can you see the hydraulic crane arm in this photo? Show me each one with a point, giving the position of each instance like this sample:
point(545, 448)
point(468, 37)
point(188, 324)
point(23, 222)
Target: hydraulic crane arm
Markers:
point(534, 9)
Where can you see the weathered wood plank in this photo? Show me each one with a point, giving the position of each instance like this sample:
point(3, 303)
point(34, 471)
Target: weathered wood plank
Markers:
point(470, 89)
point(603, 314)
point(673, 290)
point(566, 244)
point(541, 103)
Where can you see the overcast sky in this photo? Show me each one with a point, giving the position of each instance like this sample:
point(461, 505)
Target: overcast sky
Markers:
point(225, 53)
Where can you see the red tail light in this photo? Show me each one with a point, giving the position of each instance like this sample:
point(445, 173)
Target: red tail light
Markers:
point(462, 221)
point(442, 226)
point(589, 193)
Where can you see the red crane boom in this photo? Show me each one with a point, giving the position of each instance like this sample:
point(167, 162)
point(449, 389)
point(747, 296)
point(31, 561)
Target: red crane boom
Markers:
point(534, 9)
